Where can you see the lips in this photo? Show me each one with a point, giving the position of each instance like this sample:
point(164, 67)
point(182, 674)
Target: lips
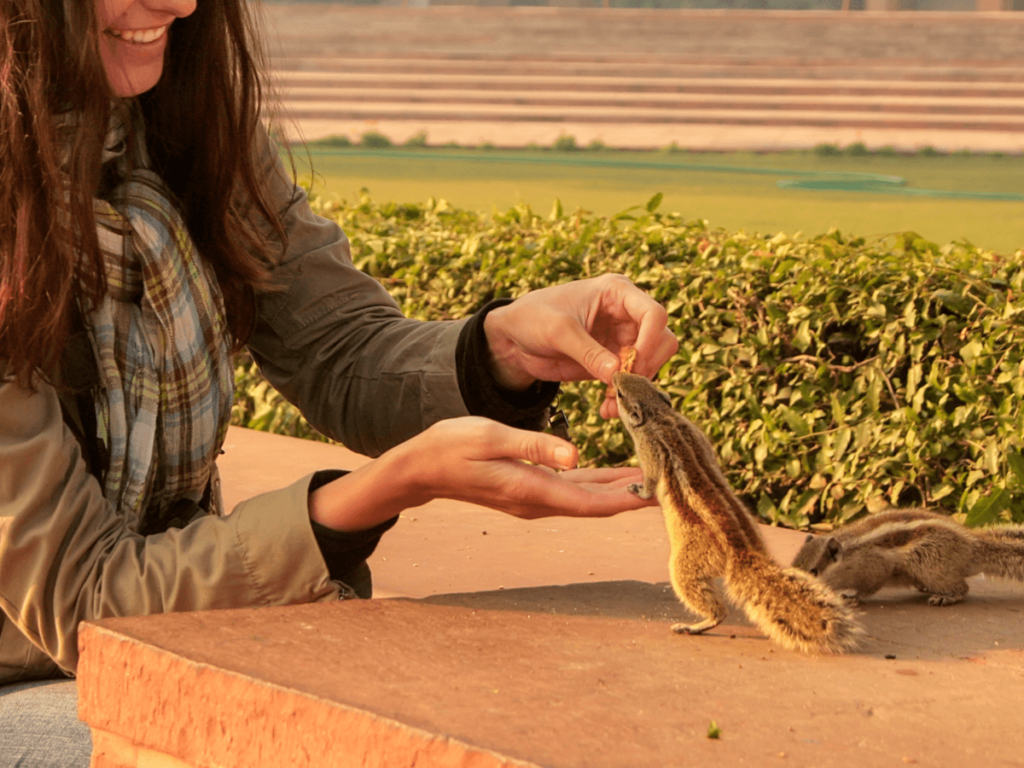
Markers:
point(139, 36)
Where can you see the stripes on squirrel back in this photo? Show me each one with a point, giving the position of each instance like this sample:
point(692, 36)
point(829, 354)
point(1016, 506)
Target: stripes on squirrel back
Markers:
point(896, 531)
point(705, 456)
point(675, 496)
point(1001, 551)
point(888, 517)
point(1003, 532)
point(704, 490)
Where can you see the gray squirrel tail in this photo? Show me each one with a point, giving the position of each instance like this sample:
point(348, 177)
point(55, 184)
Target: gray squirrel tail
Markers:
point(793, 608)
point(1001, 551)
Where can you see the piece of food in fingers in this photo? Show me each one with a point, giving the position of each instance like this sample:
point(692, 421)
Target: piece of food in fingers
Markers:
point(627, 358)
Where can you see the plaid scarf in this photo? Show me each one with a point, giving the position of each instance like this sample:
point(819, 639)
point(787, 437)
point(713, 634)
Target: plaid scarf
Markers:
point(163, 352)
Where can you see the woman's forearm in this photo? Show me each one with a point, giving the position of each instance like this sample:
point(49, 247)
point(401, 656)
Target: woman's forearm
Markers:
point(368, 496)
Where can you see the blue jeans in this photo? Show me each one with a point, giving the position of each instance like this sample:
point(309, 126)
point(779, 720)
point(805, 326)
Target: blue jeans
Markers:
point(39, 726)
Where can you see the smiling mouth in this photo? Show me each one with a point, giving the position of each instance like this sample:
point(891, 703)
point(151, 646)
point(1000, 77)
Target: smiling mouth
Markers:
point(139, 36)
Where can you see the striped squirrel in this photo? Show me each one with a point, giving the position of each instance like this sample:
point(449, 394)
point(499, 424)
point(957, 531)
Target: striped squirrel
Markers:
point(913, 548)
point(712, 533)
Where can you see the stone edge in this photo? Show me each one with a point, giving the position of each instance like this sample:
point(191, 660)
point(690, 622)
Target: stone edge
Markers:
point(135, 694)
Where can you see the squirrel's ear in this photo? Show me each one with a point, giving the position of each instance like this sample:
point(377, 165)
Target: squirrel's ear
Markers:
point(666, 397)
point(833, 547)
point(810, 537)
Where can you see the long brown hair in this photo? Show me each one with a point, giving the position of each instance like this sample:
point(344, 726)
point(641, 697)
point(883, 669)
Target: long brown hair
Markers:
point(202, 122)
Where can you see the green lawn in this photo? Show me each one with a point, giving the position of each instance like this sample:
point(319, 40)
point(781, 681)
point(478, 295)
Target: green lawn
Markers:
point(735, 191)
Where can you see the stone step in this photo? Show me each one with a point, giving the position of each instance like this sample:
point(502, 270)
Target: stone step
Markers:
point(645, 35)
point(413, 78)
point(859, 103)
point(356, 110)
point(648, 100)
point(966, 73)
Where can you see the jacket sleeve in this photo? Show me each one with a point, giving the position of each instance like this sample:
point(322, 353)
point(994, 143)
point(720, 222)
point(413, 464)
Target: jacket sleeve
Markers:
point(66, 555)
point(335, 343)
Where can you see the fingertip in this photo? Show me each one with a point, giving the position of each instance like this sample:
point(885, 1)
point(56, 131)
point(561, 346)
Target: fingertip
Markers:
point(658, 351)
point(608, 365)
point(566, 456)
point(609, 408)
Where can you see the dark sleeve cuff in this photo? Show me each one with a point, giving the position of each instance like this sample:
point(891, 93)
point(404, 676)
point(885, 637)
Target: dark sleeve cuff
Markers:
point(344, 551)
point(483, 395)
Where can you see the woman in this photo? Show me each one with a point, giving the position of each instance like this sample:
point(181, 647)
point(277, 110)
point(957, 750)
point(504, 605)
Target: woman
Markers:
point(147, 229)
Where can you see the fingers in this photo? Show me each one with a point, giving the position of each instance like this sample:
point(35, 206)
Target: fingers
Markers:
point(610, 476)
point(615, 303)
point(655, 343)
point(610, 407)
point(572, 494)
point(576, 330)
point(510, 470)
point(488, 440)
point(545, 450)
point(658, 349)
point(577, 343)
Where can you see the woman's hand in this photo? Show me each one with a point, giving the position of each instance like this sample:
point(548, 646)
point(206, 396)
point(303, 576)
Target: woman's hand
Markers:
point(511, 470)
point(575, 331)
point(480, 461)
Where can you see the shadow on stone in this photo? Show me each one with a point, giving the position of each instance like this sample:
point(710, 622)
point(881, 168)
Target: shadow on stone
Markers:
point(610, 599)
point(986, 623)
point(897, 622)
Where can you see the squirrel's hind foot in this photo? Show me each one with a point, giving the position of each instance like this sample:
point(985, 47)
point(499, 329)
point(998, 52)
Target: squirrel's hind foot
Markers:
point(941, 600)
point(695, 629)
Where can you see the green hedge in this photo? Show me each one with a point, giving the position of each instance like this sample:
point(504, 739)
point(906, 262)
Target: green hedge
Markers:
point(833, 374)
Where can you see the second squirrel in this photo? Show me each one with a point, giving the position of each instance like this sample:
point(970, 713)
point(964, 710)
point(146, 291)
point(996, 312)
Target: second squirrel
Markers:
point(912, 548)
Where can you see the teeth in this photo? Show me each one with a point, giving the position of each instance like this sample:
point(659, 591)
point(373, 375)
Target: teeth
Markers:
point(139, 35)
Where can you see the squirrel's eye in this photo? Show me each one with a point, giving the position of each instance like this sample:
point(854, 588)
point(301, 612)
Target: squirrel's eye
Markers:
point(814, 571)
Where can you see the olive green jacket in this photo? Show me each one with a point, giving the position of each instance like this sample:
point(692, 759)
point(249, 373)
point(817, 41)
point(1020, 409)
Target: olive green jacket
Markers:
point(333, 342)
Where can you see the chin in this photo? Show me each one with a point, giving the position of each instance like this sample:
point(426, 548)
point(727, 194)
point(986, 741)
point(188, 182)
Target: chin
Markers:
point(131, 78)
point(126, 87)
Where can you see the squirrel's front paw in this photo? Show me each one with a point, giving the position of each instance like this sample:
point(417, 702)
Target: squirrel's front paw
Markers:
point(639, 489)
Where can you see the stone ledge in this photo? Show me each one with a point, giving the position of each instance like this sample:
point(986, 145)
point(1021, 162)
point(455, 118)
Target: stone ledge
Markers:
point(540, 643)
point(403, 683)
point(155, 708)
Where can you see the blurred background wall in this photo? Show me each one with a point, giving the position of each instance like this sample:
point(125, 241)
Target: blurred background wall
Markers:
point(512, 75)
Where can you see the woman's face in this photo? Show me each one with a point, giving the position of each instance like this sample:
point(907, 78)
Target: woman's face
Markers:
point(133, 38)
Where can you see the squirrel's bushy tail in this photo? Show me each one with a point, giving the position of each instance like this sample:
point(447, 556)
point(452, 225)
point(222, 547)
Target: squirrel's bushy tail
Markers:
point(1001, 551)
point(792, 607)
